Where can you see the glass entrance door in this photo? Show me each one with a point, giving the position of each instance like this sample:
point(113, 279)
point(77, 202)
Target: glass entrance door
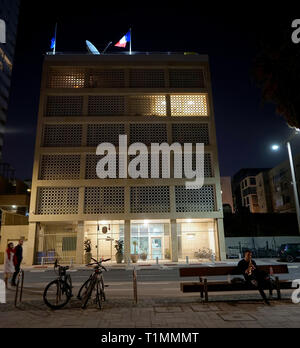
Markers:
point(156, 248)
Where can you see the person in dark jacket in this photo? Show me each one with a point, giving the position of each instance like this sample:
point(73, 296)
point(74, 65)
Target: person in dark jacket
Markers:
point(18, 258)
point(254, 276)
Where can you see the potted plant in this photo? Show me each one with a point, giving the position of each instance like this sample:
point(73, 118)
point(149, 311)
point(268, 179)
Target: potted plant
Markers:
point(144, 256)
point(167, 254)
point(134, 257)
point(88, 251)
point(120, 254)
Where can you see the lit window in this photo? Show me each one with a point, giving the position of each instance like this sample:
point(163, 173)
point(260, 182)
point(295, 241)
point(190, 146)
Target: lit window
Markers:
point(148, 105)
point(189, 105)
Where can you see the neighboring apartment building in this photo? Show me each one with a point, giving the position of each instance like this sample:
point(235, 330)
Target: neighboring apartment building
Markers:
point(9, 12)
point(14, 193)
point(152, 98)
point(245, 189)
point(227, 197)
point(264, 196)
point(281, 186)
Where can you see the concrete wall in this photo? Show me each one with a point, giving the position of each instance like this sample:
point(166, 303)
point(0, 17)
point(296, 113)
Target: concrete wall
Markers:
point(233, 245)
point(14, 234)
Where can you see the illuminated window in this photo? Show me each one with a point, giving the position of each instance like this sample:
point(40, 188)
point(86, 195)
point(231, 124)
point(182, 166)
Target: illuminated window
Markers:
point(189, 105)
point(66, 79)
point(148, 105)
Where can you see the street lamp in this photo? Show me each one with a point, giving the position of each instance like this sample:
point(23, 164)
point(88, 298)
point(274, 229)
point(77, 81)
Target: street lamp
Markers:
point(288, 144)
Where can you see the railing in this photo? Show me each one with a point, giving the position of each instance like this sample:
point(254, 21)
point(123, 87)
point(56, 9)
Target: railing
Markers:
point(126, 53)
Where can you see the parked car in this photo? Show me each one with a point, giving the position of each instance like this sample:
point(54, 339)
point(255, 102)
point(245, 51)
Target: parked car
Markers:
point(289, 252)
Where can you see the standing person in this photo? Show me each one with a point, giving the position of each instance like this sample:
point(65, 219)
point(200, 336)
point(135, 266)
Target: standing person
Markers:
point(254, 277)
point(9, 267)
point(18, 258)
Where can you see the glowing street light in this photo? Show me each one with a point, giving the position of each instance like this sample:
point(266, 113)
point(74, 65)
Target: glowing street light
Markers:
point(275, 147)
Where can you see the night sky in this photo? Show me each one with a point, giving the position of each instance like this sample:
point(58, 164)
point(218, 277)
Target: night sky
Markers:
point(229, 35)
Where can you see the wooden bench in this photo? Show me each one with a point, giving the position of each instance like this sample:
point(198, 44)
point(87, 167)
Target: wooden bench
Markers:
point(203, 286)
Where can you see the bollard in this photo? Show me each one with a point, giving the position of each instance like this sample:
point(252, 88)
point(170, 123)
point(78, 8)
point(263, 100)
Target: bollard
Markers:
point(71, 263)
point(157, 261)
point(128, 261)
point(187, 260)
point(2, 292)
point(135, 294)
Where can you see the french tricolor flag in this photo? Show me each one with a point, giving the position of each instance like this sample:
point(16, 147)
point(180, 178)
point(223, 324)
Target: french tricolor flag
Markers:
point(125, 39)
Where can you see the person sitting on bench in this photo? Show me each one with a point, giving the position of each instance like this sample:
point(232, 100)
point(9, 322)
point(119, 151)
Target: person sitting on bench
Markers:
point(254, 277)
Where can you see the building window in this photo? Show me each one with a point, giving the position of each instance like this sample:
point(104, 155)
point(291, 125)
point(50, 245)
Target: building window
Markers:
point(189, 105)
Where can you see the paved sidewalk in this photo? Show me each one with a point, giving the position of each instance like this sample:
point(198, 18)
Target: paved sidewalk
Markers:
point(152, 313)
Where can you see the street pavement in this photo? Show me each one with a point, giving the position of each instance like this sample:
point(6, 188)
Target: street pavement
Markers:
point(160, 303)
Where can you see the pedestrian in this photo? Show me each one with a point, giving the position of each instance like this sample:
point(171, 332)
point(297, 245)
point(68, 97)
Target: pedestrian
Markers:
point(9, 267)
point(18, 258)
point(254, 277)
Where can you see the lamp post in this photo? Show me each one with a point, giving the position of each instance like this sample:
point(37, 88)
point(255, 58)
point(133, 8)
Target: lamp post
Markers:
point(294, 182)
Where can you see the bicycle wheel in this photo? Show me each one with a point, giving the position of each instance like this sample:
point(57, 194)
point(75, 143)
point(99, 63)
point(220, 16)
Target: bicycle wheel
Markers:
point(99, 294)
point(19, 288)
point(102, 287)
point(88, 293)
point(83, 289)
point(57, 294)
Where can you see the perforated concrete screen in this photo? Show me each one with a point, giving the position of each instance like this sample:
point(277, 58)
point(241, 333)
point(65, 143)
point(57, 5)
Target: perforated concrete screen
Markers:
point(148, 133)
point(187, 78)
point(106, 105)
point(208, 165)
point(104, 133)
point(91, 166)
point(66, 78)
point(191, 133)
point(151, 105)
point(104, 200)
point(107, 79)
point(196, 200)
point(62, 135)
point(64, 106)
point(151, 199)
point(57, 201)
point(60, 167)
point(146, 78)
point(189, 105)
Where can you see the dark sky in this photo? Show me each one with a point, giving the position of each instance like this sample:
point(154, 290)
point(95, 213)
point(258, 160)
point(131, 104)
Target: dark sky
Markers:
point(228, 34)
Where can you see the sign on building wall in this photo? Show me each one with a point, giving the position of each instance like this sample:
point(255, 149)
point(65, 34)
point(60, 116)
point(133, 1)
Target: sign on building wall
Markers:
point(2, 31)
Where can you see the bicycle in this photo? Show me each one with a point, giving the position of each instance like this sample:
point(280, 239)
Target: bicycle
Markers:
point(58, 293)
point(19, 287)
point(94, 283)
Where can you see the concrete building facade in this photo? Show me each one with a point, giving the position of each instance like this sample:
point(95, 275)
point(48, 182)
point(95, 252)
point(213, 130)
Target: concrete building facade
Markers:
point(280, 178)
point(9, 13)
point(152, 98)
point(227, 196)
point(245, 189)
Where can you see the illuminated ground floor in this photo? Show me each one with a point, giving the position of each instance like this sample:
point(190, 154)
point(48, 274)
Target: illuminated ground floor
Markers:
point(144, 240)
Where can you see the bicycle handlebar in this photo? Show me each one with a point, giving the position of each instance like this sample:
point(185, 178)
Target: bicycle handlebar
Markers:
point(99, 263)
point(103, 260)
point(56, 265)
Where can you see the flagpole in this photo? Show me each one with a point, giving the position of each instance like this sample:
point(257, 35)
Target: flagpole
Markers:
point(130, 49)
point(54, 49)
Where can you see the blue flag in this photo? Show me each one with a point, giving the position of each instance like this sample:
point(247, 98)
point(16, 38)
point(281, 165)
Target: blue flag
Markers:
point(52, 43)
